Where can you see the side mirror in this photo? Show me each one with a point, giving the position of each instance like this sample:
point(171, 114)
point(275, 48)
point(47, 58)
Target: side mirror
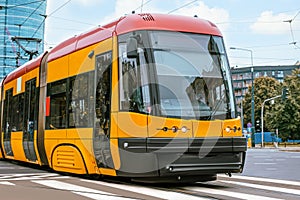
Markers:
point(132, 46)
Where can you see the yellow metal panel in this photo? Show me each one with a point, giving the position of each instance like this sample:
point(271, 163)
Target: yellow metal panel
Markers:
point(17, 146)
point(52, 138)
point(233, 124)
point(115, 77)
point(82, 139)
point(56, 134)
point(9, 86)
point(80, 62)
point(132, 125)
point(2, 144)
point(114, 149)
point(23, 79)
point(33, 74)
point(36, 148)
point(58, 69)
point(207, 128)
point(157, 124)
point(80, 133)
point(85, 146)
point(49, 145)
point(67, 158)
point(114, 125)
point(103, 46)
point(110, 172)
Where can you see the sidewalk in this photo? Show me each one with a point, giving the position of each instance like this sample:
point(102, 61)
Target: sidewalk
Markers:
point(289, 149)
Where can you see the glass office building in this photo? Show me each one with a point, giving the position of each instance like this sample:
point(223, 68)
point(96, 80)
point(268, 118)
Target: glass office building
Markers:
point(22, 24)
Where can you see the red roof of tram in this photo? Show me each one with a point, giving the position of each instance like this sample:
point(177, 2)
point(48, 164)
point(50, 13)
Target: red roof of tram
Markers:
point(123, 25)
point(134, 22)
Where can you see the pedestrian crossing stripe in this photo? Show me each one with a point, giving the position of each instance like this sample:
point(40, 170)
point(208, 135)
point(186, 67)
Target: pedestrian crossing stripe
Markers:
point(231, 194)
point(148, 191)
point(265, 187)
point(195, 192)
point(33, 176)
point(6, 183)
point(250, 178)
point(80, 190)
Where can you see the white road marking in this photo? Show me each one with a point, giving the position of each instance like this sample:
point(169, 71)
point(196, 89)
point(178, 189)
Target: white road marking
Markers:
point(261, 156)
point(80, 190)
point(148, 191)
point(295, 157)
point(271, 169)
point(264, 163)
point(264, 187)
point(24, 177)
point(295, 183)
point(1, 167)
point(6, 183)
point(231, 194)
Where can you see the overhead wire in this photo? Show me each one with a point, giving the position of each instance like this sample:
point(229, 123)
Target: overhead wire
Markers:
point(291, 29)
point(255, 21)
point(142, 5)
point(60, 7)
point(45, 16)
point(32, 13)
point(185, 5)
point(75, 21)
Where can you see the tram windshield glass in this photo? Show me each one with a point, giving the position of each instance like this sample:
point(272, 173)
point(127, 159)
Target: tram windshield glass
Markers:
point(174, 74)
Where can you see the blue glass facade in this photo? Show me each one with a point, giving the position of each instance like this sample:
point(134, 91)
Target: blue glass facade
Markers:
point(21, 32)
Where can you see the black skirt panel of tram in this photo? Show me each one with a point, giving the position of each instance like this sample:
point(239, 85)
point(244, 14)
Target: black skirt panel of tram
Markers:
point(144, 157)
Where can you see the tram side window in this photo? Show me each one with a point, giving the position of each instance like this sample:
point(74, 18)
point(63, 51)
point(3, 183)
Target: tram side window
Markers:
point(13, 112)
point(103, 87)
point(17, 115)
point(134, 83)
point(79, 97)
point(7, 119)
point(58, 105)
point(7, 114)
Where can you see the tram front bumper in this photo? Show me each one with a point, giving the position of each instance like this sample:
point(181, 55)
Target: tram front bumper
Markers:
point(149, 157)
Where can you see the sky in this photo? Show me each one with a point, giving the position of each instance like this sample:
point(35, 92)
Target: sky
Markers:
point(269, 29)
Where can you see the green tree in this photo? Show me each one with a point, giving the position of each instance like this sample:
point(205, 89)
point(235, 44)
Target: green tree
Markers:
point(286, 115)
point(264, 88)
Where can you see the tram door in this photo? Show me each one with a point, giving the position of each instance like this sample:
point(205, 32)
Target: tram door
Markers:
point(30, 119)
point(102, 111)
point(7, 119)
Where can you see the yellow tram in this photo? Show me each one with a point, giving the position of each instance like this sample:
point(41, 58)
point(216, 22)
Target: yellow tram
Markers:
point(148, 96)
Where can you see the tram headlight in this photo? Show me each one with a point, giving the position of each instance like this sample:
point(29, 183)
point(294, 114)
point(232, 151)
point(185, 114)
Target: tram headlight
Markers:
point(125, 145)
point(227, 129)
point(184, 129)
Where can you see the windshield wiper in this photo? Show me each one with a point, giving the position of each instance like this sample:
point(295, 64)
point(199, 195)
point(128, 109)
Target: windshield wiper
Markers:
point(216, 107)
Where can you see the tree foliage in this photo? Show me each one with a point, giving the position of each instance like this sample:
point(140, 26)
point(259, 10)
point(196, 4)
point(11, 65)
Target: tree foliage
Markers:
point(264, 88)
point(286, 115)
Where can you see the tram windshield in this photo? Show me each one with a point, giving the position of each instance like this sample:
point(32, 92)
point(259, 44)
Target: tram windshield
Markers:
point(174, 74)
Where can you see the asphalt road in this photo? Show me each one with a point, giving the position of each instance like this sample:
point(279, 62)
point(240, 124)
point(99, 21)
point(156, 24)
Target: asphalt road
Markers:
point(22, 182)
point(272, 163)
point(11, 167)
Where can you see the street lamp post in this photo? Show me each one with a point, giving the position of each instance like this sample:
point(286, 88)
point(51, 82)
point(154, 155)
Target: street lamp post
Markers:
point(252, 89)
point(262, 118)
point(242, 109)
